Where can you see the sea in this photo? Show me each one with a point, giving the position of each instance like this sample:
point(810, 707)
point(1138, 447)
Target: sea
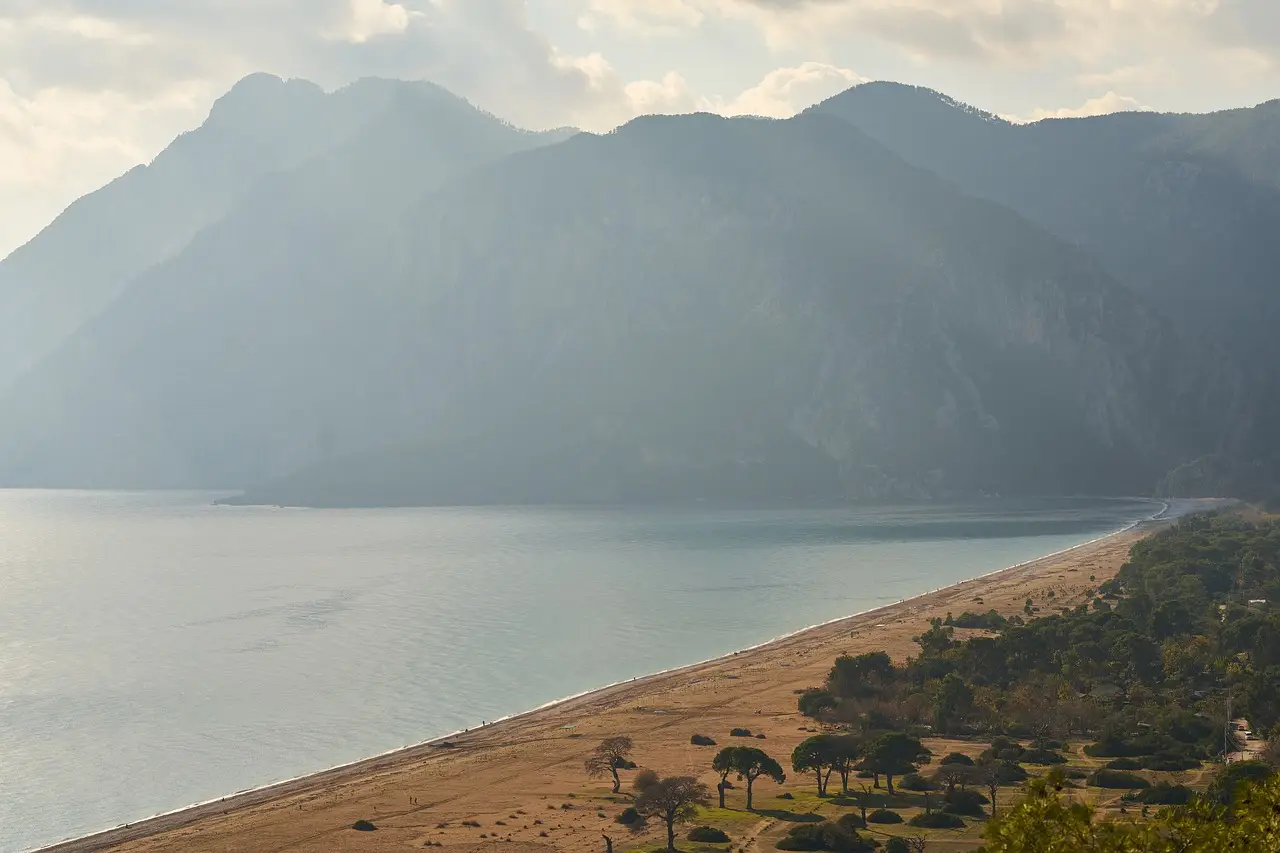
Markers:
point(158, 650)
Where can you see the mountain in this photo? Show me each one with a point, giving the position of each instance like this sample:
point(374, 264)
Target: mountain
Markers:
point(688, 307)
point(132, 398)
point(80, 263)
point(1180, 208)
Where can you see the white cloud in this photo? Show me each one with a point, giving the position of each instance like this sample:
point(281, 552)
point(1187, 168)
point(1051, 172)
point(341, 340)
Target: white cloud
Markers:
point(646, 17)
point(1099, 106)
point(370, 18)
point(785, 91)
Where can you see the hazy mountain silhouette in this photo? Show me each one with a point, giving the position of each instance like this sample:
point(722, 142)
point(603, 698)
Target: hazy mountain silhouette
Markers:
point(81, 262)
point(1181, 208)
point(445, 309)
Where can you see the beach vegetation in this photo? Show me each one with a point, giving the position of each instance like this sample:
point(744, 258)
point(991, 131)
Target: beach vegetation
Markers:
point(673, 800)
point(884, 816)
point(702, 740)
point(708, 835)
point(613, 754)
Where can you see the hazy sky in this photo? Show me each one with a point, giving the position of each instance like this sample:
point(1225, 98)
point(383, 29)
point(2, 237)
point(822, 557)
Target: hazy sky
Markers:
point(89, 88)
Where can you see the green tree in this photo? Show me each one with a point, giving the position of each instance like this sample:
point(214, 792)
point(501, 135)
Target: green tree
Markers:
point(816, 755)
point(675, 800)
point(893, 754)
point(952, 701)
point(613, 754)
point(725, 763)
point(846, 750)
point(751, 763)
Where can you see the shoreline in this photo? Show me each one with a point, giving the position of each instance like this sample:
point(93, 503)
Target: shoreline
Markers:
point(438, 746)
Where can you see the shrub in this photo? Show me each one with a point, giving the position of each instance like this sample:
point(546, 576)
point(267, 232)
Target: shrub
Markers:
point(884, 816)
point(827, 835)
point(363, 826)
point(937, 820)
point(896, 845)
point(851, 823)
point(739, 732)
point(1076, 773)
point(702, 740)
point(1118, 779)
point(916, 782)
point(1169, 762)
point(1010, 773)
point(957, 758)
point(1164, 794)
point(966, 802)
point(760, 736)
point(1009, 754)
point(708, 834)
point(1043, 757)
point(644, 780)
point(629, 816)
point(865, 774)
point(786, 795)
point(812, 703)
point(1124, 764)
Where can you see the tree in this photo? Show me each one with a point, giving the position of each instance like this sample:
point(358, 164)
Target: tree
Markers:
point(893, 754)
point(953, 699)
point(988, 775)
point(814, 703)
point(816, 754)
point(846, 750)
point(751, 763)
point(675, 800)
point(725, 763)
point(613, 754)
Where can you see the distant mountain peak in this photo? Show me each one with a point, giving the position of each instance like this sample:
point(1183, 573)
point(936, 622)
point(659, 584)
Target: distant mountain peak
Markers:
point(260, 91)
point(884, 93)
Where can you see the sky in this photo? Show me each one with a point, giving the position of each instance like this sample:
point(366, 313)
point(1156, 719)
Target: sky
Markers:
point(90, 88)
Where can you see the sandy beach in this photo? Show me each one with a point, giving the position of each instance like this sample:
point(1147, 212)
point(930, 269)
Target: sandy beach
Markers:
point(520, 783)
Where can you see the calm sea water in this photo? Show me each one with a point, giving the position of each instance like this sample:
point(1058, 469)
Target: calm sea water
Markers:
point(156, 650)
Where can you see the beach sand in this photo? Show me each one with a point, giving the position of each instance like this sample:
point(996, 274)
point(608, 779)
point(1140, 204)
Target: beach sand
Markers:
point(522, 780)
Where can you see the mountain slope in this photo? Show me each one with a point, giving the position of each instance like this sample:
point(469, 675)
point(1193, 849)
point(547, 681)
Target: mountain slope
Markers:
point(689, 307)
point(76, 266)
point(151, 369)
point(1179, 207)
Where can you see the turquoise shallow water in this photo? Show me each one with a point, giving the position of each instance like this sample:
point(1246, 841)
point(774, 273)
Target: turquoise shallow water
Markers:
point(156, 650)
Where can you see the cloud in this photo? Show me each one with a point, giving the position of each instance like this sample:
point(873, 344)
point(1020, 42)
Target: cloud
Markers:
point(1101, 105)
point(785, 91)
point(645, 17)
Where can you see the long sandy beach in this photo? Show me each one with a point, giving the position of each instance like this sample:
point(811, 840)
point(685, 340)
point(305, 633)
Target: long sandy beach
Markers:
point(520, 782)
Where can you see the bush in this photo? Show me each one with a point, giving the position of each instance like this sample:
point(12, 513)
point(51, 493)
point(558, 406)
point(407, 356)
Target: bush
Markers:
point(739, 732)
point(629, 816)
point(851, 823)
point(702, 740)
point(1043, 757)
point(884, 816)
point(896, 845)
point(1076, 773)
point(709, 835)
point(864, 774)
point(1118, 779)
point(990, 621)
point(1124, 764)
point(957, 758)
point(827, 835)
point(1010, 773)
point(966, 802)
point(813, 703)
point(937, 820)
point(916, 782)
point(643, 781)
point(1170, 763)
point(363, 826)
point(760, 736)
point(1164, 794)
